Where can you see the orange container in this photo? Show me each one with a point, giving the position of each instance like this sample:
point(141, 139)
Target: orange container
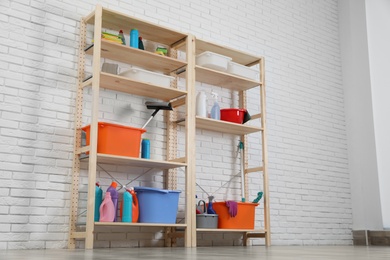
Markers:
point(117, 139)
point(245, 218)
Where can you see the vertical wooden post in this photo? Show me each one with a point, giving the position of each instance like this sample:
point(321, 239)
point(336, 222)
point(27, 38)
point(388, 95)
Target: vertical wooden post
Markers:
point(94, 128)
point(267, 225)
point(190, 234)
point(77, 138)
point(171, 174)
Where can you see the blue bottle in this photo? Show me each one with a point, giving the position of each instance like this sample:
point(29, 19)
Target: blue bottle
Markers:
point(134, 38)
point(98, 201)
point(145, 149)
point(127, 207)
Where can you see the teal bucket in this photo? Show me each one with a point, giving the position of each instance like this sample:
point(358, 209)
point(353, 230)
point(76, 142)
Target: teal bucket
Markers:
point(156, 205)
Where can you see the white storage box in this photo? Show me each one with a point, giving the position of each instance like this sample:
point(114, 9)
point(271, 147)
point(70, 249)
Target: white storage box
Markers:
point(243, 71)
point(213, 60)
point(147, 76)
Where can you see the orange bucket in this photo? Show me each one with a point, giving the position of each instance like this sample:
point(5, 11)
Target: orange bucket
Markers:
point(117, 139)
point(245, 218)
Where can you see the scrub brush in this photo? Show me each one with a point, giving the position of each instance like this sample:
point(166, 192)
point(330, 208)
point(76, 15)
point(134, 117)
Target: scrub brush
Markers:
point(259, 196)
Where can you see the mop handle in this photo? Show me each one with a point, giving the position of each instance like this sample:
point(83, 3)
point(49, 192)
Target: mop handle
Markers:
point(151, 117)
point(241, 147)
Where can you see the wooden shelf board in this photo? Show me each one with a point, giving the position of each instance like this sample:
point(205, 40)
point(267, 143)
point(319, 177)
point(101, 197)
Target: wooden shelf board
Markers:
point(136, 162)
point(230, 230)
point(223, 126)
point(237, 56)
point(121, 224)
point(124, 84)
point(222, 79)
point(119, 21)
point(140, 58)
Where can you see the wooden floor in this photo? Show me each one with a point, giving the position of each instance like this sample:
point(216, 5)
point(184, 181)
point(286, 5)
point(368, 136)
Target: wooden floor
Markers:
point(209, 253)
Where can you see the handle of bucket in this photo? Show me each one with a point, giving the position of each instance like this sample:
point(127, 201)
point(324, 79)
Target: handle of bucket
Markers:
point(204, 206)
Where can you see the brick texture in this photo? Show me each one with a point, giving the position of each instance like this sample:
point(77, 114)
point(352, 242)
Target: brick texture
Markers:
point(309, 180)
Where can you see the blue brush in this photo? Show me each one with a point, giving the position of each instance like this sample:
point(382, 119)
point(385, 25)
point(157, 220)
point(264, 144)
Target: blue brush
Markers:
point(259, 196)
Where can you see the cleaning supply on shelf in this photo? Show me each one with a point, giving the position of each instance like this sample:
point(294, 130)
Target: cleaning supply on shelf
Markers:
point(258, 198)
point(98, 201)
point(201, 104)
point(242, 169)
point(210, 209)
point(232, 208)
point(140, 44)
point(111, 37)
point(135, 207)
point(127, 206)
point(145, 148)
point(122, 37)
point(161, 51)
point(107, 209)
point(114, 197)
point(215, 110)
point(134, 38)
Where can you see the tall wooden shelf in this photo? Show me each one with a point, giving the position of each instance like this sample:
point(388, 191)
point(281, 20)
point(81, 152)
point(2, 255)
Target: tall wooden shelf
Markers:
point(241, 85)
point(102, 18)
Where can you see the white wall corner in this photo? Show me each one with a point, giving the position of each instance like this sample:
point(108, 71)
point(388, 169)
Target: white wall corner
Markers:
point(362, 153)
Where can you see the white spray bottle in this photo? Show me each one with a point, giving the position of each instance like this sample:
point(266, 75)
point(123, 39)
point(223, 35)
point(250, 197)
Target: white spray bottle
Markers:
point(201, 104)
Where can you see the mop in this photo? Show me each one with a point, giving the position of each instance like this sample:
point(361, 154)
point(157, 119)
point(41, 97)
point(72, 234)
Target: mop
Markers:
point(157, 106)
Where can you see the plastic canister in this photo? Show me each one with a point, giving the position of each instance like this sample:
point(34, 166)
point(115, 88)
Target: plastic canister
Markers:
point(134, 38)
point(201, 104)
point(145, 149)
point(135, 209)
point(127, 206)
point(107, 209)
point(114, 197)
point(98, 201)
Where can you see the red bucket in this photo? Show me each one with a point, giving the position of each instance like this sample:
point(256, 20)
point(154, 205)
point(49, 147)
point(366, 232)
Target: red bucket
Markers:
point(234, 115)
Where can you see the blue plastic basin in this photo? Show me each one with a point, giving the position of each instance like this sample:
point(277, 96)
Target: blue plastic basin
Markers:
point(157, 205)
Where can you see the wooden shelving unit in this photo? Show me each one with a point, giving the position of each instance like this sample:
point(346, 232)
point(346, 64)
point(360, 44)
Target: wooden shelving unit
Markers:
point(240, 84)
point(102, 18)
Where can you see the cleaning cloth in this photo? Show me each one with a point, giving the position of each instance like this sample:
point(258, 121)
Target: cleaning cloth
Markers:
point(232, 207)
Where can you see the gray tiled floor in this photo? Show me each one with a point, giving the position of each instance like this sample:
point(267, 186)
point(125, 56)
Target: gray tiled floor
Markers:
point(208, 253)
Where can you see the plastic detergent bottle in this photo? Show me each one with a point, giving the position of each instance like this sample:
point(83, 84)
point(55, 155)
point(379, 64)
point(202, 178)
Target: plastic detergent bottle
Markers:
point(134, 38)
point(107, 209)
point(98, 201)
point(127, 206)
point(145, 148)
point(135, 208)
point(215, 110)
point(140, 44)
point(114, 197)
point(201, 104)
point(122, 37)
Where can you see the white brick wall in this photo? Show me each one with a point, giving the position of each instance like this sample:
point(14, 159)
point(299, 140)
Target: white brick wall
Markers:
point(309, 182)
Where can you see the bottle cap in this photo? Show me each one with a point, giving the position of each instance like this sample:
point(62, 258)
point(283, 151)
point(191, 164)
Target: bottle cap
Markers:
point(114, 184)
point(120, 31)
